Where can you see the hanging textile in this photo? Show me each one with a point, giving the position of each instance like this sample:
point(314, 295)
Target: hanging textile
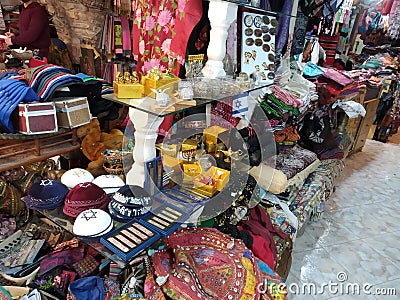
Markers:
point(283, 25)
point(299, 34)
point(161, 29)
point(2, 23)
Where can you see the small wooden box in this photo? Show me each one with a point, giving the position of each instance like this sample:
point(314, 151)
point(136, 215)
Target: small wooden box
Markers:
point(37, 118)
point(72, 111)
point(167, 81)
point(127, 91)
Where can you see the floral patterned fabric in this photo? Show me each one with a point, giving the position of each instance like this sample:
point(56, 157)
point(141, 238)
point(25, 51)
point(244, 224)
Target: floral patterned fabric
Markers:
point(161, 30)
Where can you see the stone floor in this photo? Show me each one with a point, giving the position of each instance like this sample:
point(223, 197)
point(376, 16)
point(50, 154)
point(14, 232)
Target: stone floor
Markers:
point(356, 243)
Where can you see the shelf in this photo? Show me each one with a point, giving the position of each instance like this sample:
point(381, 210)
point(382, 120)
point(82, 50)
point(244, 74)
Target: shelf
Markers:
point(26, 150)
point(57, 217)
point(258, 9)
point(211, 90)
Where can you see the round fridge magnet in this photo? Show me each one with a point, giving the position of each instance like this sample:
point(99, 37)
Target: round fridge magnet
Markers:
point(249, 42)
point(271, 75)
point(266, 38)
point(266, 47)
point(258, 42)
point(258, 32)
point(257, 21)
point(265, 29)
point(266, 20)
point(248, 21)
point(248, 32)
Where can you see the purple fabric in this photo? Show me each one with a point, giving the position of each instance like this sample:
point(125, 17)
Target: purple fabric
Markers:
point(126, 34)
point(283, 25)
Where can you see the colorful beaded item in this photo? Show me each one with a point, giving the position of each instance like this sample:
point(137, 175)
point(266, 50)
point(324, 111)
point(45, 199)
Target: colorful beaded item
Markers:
point(86, 266)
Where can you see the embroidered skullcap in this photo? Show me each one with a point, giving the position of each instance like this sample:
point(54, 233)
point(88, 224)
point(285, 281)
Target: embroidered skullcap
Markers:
point(128, 202)
point(85, 196)
point(92, 223)
point(75, 176)
point(109, 183)
point(46, 194)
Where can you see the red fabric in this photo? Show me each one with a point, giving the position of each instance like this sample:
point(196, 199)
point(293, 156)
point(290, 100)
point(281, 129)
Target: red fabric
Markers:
point(159, 25)
point(261, 249)
point(34, 29)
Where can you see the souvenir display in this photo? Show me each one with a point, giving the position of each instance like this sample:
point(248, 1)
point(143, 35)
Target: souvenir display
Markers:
point(127, 240)
point(257, 50)
point(128, 86)
point(165, 219)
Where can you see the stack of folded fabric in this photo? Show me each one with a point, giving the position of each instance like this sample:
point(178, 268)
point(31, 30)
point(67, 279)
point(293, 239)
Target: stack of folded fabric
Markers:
point(130, 201)
point(85, 196)
point(288, 168)
point(12, 92)
point(46, 194)
point(337, 82)
point(46, 79)
point(310, 201)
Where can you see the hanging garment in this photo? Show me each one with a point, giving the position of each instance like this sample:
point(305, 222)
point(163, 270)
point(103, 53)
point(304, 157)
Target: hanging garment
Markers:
point(161, 31)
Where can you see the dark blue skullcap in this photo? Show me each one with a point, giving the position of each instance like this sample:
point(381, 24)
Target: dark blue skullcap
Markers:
point(46, 194)
point(132, 196)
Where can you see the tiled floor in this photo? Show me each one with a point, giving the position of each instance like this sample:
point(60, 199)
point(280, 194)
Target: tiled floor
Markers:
point(357, 241)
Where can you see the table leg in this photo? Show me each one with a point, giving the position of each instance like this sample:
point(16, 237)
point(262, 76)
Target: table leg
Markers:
point(146, 126)
point(221, 15)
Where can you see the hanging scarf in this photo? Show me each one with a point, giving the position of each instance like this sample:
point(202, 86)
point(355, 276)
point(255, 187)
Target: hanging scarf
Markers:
point(161, 30)
point(126, 39)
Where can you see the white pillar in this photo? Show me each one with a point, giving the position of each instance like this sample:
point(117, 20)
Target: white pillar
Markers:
point(221, 15)
point(146, 127)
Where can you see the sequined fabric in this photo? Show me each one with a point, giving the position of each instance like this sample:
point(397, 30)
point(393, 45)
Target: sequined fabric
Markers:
point(203, 263)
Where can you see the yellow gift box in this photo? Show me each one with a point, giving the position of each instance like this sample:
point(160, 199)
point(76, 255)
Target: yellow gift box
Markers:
point(205, 189)
point(188, 145)
point(220, 178)
point(165, 81)
point(211, 134)
point(190, 173)
point(126, 91)
point(169, 149)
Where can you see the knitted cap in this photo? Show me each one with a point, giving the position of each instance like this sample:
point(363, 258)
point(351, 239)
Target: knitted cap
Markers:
point(46, 194)
point(92, 223)
point(84, 196)
point(132, 196)
point(109, 183)
point(130, 201)
point(75, 176)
